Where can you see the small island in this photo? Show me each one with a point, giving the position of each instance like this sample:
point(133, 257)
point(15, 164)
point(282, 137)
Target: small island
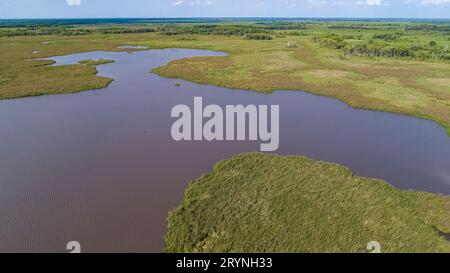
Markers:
point(96, 62)
point(266, 203)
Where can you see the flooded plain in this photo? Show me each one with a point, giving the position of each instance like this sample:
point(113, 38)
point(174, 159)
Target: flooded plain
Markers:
point(100, 167)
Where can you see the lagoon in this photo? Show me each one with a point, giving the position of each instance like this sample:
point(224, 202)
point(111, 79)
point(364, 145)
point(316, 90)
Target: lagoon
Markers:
point(100, 167)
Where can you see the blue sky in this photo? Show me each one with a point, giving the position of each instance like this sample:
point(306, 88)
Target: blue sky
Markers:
point(224, 8)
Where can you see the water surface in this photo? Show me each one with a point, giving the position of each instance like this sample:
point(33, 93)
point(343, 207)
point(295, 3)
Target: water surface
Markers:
point(100, 167)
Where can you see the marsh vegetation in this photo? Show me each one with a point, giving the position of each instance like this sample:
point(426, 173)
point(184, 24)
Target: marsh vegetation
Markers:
point(263, 203)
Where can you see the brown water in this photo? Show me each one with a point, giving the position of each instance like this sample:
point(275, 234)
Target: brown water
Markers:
point(100, 167)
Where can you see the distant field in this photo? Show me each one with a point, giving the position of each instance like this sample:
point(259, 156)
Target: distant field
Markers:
point(394, 66)
point(263, 203)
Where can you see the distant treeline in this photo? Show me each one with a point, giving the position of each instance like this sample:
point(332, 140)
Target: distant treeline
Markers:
point(254, 31)
point(126, 30)
point(225, 30)
point(69, 31)
point(282, 26)
point(407, 27)
point(445, 28)
point(350, 27)
point(370, 48)
point(258, 37)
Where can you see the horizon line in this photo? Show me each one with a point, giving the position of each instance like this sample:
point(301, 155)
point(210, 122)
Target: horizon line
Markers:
point(230, 17)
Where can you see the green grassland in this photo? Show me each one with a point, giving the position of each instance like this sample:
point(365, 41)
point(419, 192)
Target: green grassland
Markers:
point(96, 62)
point(21, 75)
point(265, 203)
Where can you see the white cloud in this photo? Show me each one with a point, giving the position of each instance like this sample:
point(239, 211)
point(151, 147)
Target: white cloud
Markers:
point(177, 3)
point(73, 2)
point(326, 3)
point(370, 2)
point(434, 2)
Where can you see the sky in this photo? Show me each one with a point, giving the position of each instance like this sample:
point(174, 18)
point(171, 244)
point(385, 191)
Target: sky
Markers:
point(14, 9)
